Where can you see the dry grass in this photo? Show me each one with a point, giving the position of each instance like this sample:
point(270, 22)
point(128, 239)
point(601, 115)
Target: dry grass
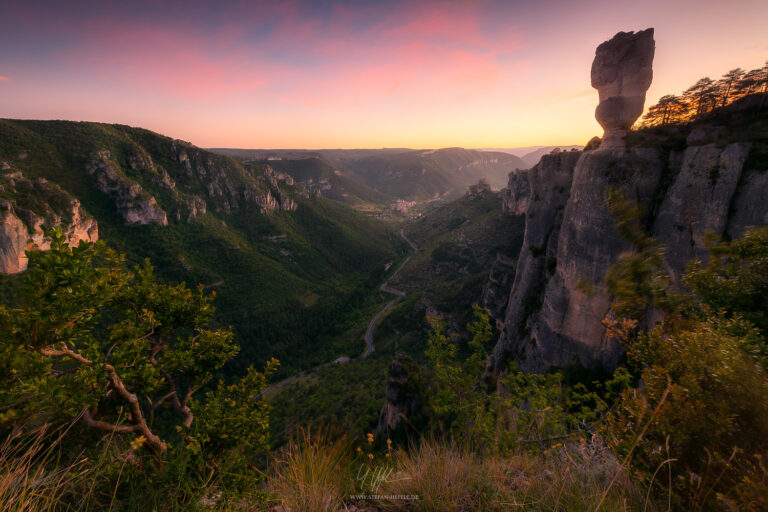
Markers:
point(31, 479)
point(445, 478)
point(571, 478)
point(312, 474)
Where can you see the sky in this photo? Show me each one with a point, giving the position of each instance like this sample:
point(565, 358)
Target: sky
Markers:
point(353, 74)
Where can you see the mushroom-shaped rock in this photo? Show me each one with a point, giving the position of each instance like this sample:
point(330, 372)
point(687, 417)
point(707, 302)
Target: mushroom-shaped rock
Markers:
point(622, 72)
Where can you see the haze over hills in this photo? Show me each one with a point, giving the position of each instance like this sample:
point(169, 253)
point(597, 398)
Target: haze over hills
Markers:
point(408, 174)
point(532, 154)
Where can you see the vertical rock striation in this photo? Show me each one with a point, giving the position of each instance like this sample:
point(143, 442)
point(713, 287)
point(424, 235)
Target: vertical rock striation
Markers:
point(708, 184)
point(550, 181)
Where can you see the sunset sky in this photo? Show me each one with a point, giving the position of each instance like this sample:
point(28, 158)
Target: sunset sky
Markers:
point(353, 74)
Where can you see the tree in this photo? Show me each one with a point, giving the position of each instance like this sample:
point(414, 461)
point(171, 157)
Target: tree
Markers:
point(669, 109)
point(93, 340)
point(728, 83)
point(457, 399)
point(702, 94)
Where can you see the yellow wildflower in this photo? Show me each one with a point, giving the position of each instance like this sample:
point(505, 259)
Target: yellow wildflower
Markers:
point(138, 443)
point(370, 456)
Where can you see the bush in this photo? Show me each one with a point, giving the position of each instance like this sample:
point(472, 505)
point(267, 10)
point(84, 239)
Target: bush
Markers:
point(700, 416)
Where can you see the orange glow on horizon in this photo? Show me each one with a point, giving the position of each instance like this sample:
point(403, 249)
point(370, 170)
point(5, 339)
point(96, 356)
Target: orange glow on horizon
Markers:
point(488, 73)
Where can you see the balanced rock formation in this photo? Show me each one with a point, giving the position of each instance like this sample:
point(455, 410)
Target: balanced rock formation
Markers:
point(713, 181)
point(622, 72)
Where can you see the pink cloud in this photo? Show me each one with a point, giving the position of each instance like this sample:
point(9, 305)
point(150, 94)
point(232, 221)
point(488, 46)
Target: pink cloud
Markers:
point(425, 53)
point(4, 79)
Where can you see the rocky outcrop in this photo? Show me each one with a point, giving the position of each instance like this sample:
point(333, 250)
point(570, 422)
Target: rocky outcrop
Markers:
point(621, 73)
point(13, 242)
point(478, 190)
point(517, 196)
point(403, 405)
point(29, 208)
point(132, 202)
point(550, 182)
point(558, 297)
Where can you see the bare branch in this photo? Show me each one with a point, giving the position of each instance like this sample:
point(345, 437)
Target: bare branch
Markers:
point(109, 427)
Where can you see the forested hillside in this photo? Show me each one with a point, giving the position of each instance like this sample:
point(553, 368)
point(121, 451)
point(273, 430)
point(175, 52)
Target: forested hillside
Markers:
point(265, 246)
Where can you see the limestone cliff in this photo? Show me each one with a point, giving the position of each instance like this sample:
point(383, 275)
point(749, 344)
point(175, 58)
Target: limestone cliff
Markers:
point(190, 182)
point(517, 196)
point(131, 200)
point(689, 181)
point(27, 209)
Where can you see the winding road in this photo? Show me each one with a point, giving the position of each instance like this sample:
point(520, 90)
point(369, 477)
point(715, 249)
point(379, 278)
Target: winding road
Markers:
point(369, 348)
point(413, 245)
point(387, 289)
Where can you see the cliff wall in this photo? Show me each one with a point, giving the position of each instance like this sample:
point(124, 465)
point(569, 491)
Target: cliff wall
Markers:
point(558, 298)
point(27, 209)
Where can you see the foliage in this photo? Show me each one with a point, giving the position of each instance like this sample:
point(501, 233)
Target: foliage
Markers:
point(458, 404)
point(529, 410)
point(706, 95)
point(121, 357)
point(93, 339)
point(735, 278)
point(702, 410)
point(233, 423)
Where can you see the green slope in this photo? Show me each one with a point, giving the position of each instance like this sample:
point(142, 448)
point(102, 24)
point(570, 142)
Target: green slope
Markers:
point(288, 280)
point(457, 244)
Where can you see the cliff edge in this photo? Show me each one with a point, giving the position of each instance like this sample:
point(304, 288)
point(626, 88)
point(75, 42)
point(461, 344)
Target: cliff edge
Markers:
point(689, 181)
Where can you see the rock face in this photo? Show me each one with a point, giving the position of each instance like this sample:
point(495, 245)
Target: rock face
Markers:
point(403, 396)
point(550, 181)
point(698, 202)
point(194, 183)
point(29, 208)
point(517, 196)
point(749, 204)
point(132, 202)
point(621, 73)
point(496, 290)
point(558, 297)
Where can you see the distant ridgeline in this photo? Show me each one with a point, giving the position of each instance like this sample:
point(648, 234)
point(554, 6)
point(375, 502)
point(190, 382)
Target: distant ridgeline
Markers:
point(266, 246)
point(697, 168)
point(381, 175)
